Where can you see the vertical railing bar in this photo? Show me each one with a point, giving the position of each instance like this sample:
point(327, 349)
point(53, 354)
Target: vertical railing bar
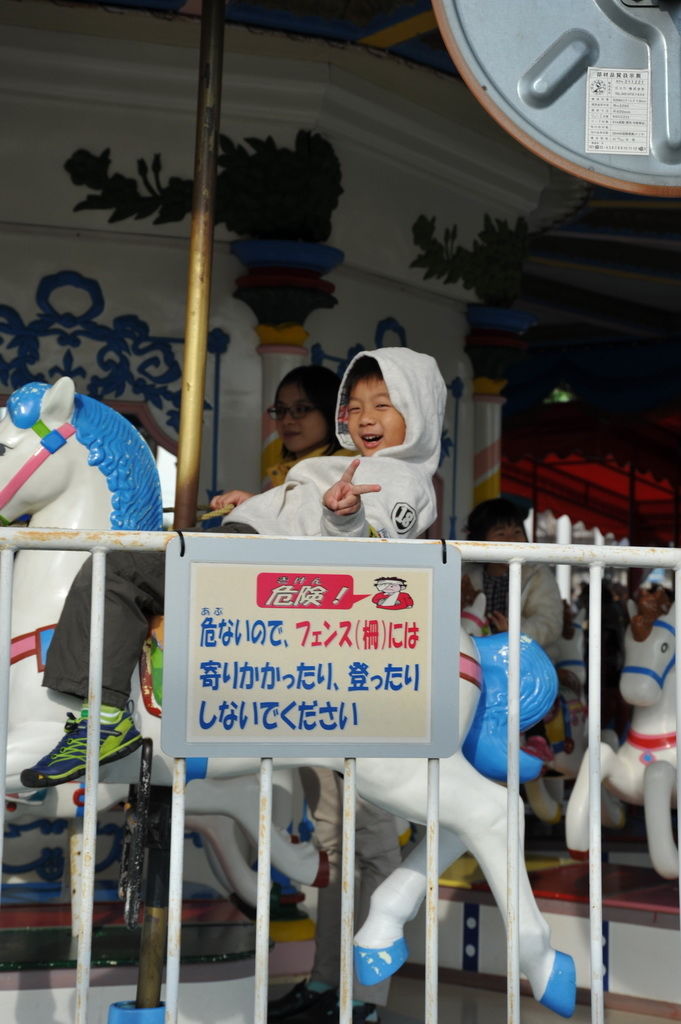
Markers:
point(174, 941)
point(595, 847)
point(564, 572)
point(677, 624)
point(264, 884)
point(91, 785)
point(513, 796)
point(432, 889)
point(6, 576)
point(347, 889)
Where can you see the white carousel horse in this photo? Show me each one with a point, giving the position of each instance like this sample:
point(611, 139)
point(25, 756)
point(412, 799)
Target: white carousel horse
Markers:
point(568, 739)
point(472, 807)
point(643, 770)
point(565, 727)
point(72, 462)
point(561, 741)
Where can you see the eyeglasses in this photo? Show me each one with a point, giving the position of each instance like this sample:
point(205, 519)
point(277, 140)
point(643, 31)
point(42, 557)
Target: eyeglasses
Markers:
point(297, 411)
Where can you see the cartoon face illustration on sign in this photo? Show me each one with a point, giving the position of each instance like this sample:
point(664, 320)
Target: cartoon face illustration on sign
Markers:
point(392, 593)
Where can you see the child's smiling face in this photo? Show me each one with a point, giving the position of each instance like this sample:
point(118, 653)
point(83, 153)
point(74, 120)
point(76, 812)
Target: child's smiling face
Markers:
point(373, 421)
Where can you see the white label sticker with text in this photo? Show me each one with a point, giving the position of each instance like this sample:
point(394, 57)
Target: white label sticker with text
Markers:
point(618, 111)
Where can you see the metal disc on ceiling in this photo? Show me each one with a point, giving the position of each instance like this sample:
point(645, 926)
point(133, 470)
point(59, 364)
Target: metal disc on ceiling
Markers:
point(592, 86)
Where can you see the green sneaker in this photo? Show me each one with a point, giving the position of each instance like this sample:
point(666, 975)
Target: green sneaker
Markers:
point(67, 760)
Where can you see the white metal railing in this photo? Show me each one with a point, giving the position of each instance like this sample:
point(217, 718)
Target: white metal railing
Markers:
point(596, 558)
point(12, 540)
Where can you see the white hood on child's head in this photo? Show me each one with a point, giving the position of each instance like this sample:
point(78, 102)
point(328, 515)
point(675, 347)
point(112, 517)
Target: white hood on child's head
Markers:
point(418, 392)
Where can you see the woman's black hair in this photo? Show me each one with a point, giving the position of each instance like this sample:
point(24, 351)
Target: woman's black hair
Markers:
point(491, 513)
point(320, 386)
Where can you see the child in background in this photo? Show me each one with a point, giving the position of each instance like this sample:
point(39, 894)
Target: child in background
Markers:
point(541, 607)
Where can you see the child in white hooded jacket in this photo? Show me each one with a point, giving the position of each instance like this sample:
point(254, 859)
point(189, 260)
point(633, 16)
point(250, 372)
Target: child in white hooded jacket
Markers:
point(390, 409)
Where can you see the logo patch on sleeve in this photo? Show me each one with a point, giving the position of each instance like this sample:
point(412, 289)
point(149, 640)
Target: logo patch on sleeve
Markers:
point(403, 517)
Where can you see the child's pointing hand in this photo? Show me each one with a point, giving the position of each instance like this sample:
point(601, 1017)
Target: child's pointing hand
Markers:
point(344, 497)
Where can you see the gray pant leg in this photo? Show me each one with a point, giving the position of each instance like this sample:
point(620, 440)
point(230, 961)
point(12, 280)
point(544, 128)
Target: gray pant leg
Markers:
point(324, 794)
point(377, 855)
point(134, 590)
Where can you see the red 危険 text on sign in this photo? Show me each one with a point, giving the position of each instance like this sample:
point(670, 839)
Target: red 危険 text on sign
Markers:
point(306, 590)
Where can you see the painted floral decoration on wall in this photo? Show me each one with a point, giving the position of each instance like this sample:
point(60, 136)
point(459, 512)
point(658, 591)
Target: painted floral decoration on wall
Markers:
point(263, 190)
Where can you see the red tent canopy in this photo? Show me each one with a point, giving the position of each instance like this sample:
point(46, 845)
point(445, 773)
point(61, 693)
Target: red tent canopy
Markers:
point(620, 473)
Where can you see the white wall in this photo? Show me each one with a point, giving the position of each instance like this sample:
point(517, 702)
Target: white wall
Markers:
point(410, 141)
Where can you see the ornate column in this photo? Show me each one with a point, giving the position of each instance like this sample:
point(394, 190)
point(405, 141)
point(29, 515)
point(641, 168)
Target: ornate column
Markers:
point(493, 345)
point(283, 285)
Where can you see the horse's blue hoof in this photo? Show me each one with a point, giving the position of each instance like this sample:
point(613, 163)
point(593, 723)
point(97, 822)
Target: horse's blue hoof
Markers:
point(374, 965)
point(561, 989)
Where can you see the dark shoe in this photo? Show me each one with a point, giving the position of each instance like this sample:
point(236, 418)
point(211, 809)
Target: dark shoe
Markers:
point(296, 1001)
point(364, 1013)
point(67, 760)
point(326, 1011)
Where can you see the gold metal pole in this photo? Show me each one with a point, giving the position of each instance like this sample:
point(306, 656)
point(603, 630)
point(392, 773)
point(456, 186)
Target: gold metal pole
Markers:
point(155, 927)
point(200, 262)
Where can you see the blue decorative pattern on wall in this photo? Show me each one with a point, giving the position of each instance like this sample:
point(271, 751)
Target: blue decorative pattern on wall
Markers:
point(394, 327)
point(337, 363)
point(50, 862)
point(132, 360)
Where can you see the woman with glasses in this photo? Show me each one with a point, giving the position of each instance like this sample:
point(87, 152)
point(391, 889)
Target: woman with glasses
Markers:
point(304, 412)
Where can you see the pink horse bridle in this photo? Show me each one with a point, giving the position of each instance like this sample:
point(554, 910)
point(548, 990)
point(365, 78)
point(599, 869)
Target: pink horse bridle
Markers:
point(481, 624)
point(50, 442)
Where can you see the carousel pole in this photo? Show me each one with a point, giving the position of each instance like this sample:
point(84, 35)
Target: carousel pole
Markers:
point(157, 928)
point(200, 262)
point(165, 927)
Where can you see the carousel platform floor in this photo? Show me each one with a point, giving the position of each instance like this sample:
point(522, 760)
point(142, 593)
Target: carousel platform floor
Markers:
point(636, 902)
point(630, 894)
point(36, 937)
point(464, 1004)
point(640, 921)
point(39, 937)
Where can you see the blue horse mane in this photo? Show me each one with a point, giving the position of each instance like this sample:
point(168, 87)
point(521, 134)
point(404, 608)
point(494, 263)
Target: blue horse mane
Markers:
point(114, 446)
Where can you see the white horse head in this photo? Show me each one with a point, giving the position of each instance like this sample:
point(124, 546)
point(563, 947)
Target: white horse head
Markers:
point(473, 606)
point(69, 461)
point(650, 652)
point(642, 771)
point(567, 652)
point(50, 439)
